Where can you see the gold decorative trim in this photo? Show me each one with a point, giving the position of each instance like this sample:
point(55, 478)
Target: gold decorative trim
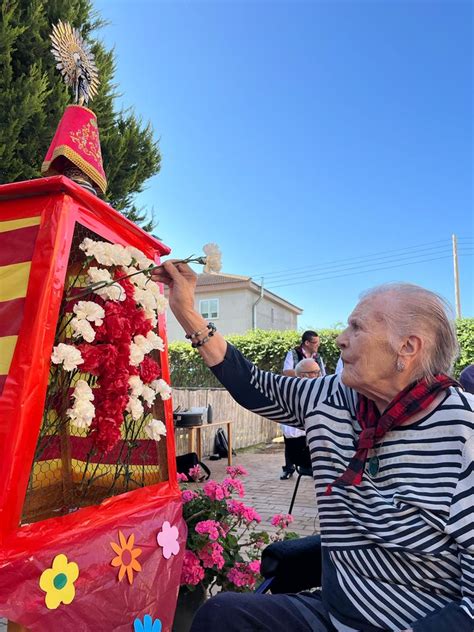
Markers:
point(75, 158)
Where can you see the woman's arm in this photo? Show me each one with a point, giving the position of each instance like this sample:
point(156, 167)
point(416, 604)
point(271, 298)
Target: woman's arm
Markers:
point(181, 281)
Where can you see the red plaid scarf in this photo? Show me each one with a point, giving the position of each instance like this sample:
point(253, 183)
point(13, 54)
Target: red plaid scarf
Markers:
point(411, 400)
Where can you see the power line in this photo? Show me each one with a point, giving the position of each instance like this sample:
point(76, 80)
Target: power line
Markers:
point(368, 258)
point(374, 269)
point(341, 267)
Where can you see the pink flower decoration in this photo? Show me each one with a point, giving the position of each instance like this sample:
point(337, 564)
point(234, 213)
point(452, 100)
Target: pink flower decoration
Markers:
point(182, 478)
point(234, 485)
point(236, 470)
point(282, 520)
point(211, 555)
point(244, 575)
point(192, 572)
point(168, 539)
point(187, 495)
point(209, 527)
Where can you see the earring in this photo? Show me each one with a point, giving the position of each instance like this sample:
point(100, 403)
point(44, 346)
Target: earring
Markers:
point(400, 365)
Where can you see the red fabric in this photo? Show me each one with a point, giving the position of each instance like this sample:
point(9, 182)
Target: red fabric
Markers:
point(17, 246)
point(77, 140)
point(101, 602)
point(413, 399)
point(11, 314)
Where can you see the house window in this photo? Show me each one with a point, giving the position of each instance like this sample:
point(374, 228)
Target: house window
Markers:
point(209, 308)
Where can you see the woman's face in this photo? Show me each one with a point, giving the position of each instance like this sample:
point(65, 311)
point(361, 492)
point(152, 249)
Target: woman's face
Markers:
point(369, 359)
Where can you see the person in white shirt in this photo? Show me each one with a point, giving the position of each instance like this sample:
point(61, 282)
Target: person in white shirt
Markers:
point(307, 368)
point(307, 349)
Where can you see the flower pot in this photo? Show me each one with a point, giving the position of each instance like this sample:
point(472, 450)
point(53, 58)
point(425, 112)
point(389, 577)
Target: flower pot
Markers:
point(188, 603)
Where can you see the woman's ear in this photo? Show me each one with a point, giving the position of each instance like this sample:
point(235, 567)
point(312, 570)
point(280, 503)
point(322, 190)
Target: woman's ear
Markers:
point(410, 348)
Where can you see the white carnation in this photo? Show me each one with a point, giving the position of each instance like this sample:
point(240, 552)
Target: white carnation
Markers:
point(144, 344)
point(155, 341)
point(120, 255)
point(161, 303)
point(88, 310)
point(82, 328)
point(161, 387)
point(135, 408)
point(112, 292)
point(83, 411)
point(141, 260)
point(136, 354)
point(151, 316)
point(145, 298)
point(97, 275)
point(81, 414)
point(67, 355)
point(82, 390)
point(148, 395)
point(136, 385)
point(155, 429)
point(140, 280)
point(213, 258)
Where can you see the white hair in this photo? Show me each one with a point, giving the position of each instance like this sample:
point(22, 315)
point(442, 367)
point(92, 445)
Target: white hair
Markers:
point(420, 312)
point(302, 366)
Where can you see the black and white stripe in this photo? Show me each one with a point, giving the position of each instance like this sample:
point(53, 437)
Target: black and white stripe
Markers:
point(402, 543)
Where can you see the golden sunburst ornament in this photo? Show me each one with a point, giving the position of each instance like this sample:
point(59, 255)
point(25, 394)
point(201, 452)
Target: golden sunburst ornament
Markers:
point(75, 61)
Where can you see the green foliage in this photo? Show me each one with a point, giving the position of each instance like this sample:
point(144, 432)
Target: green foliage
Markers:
point(33, 97)
point(465, 332)
point(267, 349)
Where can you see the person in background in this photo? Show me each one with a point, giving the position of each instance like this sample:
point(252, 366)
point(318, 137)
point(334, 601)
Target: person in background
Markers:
point(307, 368)
point(467, 379)
point(307, 349)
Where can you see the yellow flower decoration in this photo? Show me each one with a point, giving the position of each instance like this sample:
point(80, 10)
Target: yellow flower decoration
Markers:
point(126, 557)
point(58, 582)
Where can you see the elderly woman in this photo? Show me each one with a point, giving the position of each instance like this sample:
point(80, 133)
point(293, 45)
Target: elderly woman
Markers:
point(392, 448)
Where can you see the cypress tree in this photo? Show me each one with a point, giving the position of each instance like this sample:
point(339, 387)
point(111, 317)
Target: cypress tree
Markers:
point(33, 97)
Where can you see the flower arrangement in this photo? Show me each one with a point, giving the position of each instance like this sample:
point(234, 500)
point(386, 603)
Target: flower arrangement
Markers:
point(108, 344)
point(224, 540)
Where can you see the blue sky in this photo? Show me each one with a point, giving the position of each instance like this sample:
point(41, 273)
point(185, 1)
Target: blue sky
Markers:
point(325, 145)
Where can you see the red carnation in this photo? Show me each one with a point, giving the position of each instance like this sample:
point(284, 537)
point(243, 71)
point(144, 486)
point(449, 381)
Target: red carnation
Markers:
point(149, 370)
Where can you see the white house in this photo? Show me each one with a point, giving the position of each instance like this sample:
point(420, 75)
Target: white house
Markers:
point(237, 304)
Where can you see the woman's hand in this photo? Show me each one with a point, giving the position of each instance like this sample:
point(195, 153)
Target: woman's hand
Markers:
point(181, 281)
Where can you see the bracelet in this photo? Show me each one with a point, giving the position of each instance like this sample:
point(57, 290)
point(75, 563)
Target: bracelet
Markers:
point(210, 326)
point(198, 343)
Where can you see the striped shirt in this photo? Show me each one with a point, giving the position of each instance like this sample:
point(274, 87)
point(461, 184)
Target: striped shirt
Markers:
point(401, 544)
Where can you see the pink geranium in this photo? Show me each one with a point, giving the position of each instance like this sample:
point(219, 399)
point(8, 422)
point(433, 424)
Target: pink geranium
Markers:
point(234, 485)
point(211, 555)
point(244, 575)
point(282, 520)
point(248, 514)
point(216, 491)
point(192, 572)
point(236, 470)
point(195, 472)
point(188, 495)
point(210, 528)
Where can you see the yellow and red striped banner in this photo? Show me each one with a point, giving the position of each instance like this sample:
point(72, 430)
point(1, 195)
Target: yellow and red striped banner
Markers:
point(17, 244)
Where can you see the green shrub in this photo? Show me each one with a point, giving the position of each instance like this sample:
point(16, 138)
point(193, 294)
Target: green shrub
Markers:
point(267, 349)
point(465, 332)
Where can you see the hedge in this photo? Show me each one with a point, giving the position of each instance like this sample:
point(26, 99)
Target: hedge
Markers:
point(267, 349)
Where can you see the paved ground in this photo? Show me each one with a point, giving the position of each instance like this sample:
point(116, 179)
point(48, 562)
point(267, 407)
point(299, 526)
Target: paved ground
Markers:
point(266, 493)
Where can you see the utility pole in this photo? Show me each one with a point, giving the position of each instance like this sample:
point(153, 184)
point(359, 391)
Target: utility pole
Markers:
point(457, 292)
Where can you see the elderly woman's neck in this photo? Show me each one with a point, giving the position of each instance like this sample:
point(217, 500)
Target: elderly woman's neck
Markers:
point(385, 392)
